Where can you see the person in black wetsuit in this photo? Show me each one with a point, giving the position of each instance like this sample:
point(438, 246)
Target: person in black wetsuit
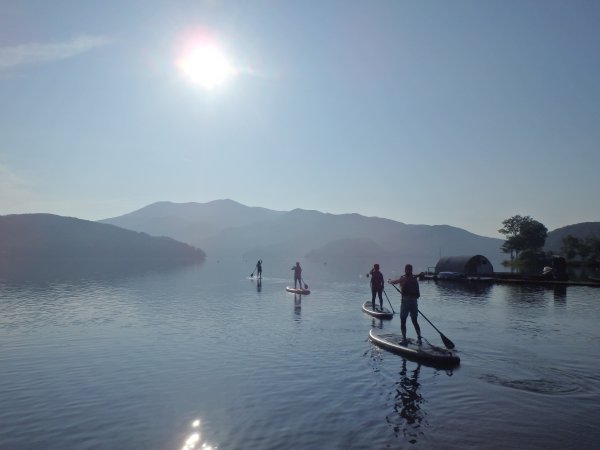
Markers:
point(376, 286)
point(297, 275)
point(259, 268)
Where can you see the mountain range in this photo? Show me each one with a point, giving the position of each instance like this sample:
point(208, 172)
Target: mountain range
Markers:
point(225, 228)
point(42, 243)
point(166, 232)
point(581, 230)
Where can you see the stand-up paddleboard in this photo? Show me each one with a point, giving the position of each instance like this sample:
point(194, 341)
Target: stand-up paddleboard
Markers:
point(384, 314)
point(297, 291)
point(424, 352)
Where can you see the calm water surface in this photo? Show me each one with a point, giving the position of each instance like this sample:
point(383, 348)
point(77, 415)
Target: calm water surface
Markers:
point(206, 356)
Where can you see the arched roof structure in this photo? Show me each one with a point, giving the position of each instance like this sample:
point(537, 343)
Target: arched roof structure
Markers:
point(473, 265)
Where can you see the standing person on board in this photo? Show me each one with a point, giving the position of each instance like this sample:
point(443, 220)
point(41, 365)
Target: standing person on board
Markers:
point(297, 275)
point(259, 268)
point(376, 286)
point(409, 288)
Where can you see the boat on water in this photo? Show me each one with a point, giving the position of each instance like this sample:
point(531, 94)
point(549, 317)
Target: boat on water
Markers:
point(424, 352)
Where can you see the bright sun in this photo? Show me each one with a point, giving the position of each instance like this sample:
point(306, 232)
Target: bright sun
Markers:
point(205, 65)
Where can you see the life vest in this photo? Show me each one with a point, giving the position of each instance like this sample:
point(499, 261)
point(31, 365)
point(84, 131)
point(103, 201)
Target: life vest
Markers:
point(376, 279)
point(410, 288)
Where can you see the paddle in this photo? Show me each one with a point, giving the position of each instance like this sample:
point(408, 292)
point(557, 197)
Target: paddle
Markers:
point(447, 342)
point(305, 285)
point(388, 299)
point(255, 268)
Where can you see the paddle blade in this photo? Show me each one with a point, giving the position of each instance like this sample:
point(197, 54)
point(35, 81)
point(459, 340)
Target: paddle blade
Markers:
point(305, 286)
point(447, 342)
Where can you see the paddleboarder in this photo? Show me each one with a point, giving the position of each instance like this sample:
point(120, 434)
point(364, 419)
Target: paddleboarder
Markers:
point(409, 289)
point(376, 286)
point(297, 275)
point(259, 268)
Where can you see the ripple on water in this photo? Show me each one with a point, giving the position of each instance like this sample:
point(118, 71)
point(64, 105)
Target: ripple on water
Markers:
point(557, 384)
point(132, 363)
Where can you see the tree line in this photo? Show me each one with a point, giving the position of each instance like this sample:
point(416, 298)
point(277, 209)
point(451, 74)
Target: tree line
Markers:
point(587, 250)
point(526, 237)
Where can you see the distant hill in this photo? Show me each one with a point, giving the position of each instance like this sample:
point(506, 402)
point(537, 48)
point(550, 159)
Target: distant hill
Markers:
point(51, 237)
point(191, 222)
point(580, 230)
point(227, 228)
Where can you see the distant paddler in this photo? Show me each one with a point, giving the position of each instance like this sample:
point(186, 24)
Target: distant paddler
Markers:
point(259, 268)
point(376, 286)
point(297, 275)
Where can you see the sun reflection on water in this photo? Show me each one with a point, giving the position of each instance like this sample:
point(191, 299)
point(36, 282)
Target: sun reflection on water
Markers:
point(193, 440)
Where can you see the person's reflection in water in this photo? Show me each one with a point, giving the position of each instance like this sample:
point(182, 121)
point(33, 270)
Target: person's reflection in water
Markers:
point(297, 304)
point(375, 323)
point(258, 284)
point(560, 294)
point(408, 415)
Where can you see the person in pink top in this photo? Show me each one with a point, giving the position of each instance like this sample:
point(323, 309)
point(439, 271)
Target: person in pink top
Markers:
point(376, 286)
point(409, 289)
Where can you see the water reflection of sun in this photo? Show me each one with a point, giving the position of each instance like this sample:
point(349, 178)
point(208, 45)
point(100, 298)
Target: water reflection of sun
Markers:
point(193, 440)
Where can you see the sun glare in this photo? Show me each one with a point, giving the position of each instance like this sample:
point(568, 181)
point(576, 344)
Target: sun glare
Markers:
point(206, 65)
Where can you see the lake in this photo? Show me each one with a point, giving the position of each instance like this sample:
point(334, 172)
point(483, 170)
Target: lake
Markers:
point(207, 356)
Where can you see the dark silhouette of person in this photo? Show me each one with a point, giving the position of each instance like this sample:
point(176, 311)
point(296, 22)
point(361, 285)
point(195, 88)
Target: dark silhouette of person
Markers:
point(409, 289)
point(259, 268)
point(297, 275)
point(376, 286)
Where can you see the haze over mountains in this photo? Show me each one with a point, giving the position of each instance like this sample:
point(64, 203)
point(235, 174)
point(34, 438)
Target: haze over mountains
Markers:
point(45, 235)
point(581, 230)
point(225, 228)
point(166, 232)
point(33, 243)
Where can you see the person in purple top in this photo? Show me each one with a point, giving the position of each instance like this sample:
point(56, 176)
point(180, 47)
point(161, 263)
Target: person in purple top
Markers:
point(376, 286)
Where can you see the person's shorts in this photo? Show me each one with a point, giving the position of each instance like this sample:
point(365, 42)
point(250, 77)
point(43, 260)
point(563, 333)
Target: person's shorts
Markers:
point(409, 307)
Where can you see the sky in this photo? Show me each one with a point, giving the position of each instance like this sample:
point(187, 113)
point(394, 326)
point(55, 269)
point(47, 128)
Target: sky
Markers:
point(462, 112)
